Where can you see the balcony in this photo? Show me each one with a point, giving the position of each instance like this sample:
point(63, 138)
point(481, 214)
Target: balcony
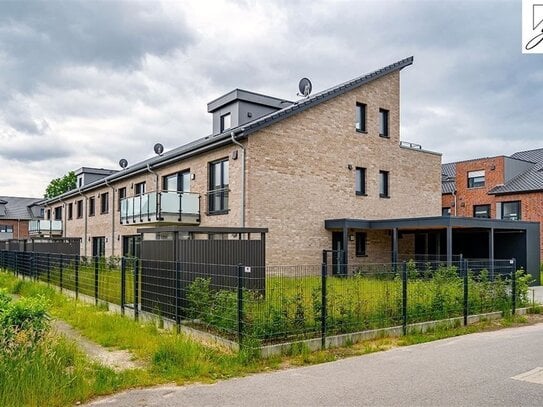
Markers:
point(48, 228)
point(166, 207)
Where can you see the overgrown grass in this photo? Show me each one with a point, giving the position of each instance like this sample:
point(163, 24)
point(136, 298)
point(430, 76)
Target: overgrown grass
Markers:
point(61, 375)
point(40, 368)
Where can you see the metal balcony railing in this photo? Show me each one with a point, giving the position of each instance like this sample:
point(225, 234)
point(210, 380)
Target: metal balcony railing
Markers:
point(161, 207)
point(41, 227)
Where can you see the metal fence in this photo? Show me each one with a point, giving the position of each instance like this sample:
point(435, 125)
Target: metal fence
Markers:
point(274, 304)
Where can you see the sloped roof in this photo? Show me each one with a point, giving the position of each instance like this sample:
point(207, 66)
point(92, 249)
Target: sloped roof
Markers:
point(530, 180)
point(18, 207)
point(218, 140)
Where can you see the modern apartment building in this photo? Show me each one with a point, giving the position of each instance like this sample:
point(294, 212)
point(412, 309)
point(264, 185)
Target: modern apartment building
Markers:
point(325, 172)
point(269, 162)
point(18, 217)
point(501, 187)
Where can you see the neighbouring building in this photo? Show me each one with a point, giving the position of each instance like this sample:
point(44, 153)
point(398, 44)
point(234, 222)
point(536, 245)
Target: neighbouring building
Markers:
point(18, 216)
point(501, 187)
point(304, 170)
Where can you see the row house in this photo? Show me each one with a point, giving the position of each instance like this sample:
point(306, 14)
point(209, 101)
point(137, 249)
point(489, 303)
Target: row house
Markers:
point(326, 172)
point(508, 188)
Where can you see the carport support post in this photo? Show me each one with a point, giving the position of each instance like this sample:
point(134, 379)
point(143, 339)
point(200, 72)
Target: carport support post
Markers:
point(404, 298)
point(240, 304)
point(449, 246)
point(491, 252)
point(514, 285)
point(394, 248)
point(464, 268)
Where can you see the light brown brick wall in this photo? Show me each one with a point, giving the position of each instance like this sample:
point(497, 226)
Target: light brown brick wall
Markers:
point(299, 176)
point(103, 225)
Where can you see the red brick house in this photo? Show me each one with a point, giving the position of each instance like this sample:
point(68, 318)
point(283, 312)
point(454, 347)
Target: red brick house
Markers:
point(16, 213)
point(501, 187)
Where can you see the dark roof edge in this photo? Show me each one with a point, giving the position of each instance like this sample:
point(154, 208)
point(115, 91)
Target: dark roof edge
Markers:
point(324, 96)
point(212, 142)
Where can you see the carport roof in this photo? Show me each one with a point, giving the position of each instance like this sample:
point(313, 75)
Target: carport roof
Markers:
point(429, 222)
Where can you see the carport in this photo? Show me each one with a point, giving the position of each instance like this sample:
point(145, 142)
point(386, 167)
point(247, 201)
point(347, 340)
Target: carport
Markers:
point(447, 237)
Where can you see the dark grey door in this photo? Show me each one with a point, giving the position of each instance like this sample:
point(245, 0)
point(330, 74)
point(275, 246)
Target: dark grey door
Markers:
point(338, 262)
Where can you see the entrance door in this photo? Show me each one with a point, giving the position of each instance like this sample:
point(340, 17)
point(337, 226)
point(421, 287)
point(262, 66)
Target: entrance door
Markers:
point(338, 262)
point(98, 246)
point(131, 246)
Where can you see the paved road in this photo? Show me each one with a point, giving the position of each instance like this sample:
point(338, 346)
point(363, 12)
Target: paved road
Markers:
point(474, 370)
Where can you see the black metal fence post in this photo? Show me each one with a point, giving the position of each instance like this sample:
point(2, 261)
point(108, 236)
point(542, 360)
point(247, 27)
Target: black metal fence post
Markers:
point(464, 266)
point(48, 268)
point(61, 271)
point(404, 298)
point(324, 275)
point(123, 283)
point(240, 304)
point(96, 265)
point(33, 274)
point(178, 295)
point(76, 272)
point(513, 263)
point(136, 288)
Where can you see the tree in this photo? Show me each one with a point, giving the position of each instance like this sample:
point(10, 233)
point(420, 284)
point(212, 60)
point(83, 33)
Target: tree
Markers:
point(60, 185)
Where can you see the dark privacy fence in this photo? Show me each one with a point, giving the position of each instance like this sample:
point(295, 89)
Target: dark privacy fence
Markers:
point(273, 304)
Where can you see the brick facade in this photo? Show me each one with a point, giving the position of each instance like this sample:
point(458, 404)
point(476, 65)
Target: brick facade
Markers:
point(467, 198)
point(300, 171)
point(20, 229)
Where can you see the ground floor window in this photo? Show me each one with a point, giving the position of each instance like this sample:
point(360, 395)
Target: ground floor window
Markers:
point(360, 244)
point(511, 210)
point(99, 246)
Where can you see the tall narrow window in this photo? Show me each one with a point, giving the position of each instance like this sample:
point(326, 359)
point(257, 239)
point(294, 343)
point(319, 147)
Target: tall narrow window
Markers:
point(360, 117)
point(226, 121)
point(383, 184)
point(92, 206)
point(58, 213)
point(476, 179)
point(360, 181)
point(79, 209)
point(139, 188)
point(360, 244)
point(383, 123)
point(218, 187)
point(511, 210)
point(104, 203)
point(122, 195)
point(70, 211)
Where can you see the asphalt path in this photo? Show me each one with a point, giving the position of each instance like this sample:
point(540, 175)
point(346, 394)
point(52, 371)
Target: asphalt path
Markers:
point(500, 368)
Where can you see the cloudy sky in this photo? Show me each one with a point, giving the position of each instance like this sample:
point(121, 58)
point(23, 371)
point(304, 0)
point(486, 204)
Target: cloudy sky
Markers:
point(88, 83)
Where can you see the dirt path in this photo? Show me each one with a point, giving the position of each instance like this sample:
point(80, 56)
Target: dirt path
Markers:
point(116, 359)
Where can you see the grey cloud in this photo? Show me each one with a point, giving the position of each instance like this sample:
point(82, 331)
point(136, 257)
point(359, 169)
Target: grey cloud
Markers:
point(40, 37)
point(33, 152)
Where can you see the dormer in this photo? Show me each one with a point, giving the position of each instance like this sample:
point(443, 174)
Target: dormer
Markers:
point(239, 107)
point(87, 175)
point(3, 207)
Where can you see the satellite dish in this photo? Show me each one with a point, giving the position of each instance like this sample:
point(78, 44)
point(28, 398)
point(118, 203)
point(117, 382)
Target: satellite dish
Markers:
point(123, 163)
point(159, 148)
point(305, 87)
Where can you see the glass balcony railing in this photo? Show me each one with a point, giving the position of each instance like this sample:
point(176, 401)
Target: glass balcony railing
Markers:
point(45, 227)
point(161, 207)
